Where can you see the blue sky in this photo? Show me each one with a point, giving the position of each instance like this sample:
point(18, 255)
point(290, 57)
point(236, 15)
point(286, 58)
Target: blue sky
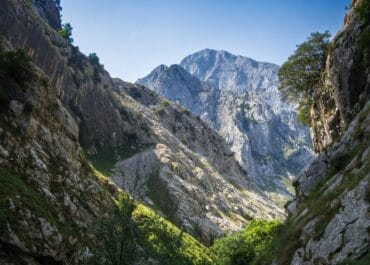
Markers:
point(131, 37)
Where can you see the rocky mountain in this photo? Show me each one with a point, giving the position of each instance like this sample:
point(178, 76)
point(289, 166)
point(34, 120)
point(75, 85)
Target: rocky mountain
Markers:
point(188, 173)
point(238, 97)
point(76, 145)
point(329, 220)
point(73, 114)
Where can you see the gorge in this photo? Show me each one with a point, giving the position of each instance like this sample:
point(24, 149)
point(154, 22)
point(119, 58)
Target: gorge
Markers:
point(170, 169)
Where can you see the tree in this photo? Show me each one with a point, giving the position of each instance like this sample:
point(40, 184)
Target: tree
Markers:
point(94, 59)
point(57, 4)
point(301, 74)
point(243, 247)
point(66, 32)
point(118, 236)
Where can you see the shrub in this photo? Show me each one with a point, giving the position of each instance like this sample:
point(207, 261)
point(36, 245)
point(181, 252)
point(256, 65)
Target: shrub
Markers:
point(363, 12)
point(66, 32)
point(243, 247)
point(94, 59)
point(165, 103)
point(118, 236)
point(15, 65)
point(304, 112)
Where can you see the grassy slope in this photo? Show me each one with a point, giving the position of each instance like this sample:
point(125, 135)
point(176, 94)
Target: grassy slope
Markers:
point(322, 203)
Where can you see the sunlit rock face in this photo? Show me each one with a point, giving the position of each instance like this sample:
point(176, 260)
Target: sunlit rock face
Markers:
point(238, 96)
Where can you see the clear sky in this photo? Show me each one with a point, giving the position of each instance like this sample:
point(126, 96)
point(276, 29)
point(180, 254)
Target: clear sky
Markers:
point(131, 37)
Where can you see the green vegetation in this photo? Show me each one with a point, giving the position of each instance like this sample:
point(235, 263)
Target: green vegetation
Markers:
point(165, 103)
point(15, 65)
point(94, 59)
point(57, 4)
point(322, 206)
point(243, 247)
point(300, 75)
point(135, 233)
point(66, 32)
point(363, 12)
point(304, 112)
point(365, 260)
point(14, 188)
point(15, 69)
point(118, 236)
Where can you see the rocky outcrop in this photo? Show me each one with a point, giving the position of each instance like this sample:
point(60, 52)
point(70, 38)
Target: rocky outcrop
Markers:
point(114, 121)
point(189, 175)
point(50, 197)
point(331, 210)
point(49, 10)
point(330, 214)
point(239, 97)
point(346, 81)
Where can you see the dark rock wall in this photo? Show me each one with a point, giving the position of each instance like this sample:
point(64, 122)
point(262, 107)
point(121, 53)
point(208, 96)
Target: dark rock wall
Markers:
point(347, 85)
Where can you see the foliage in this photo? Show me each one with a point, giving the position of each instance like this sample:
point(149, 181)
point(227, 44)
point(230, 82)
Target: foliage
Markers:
point(304, 111)
point(94, 59)
point(118, 235)
point(363, 12)
point(57, 4)
point(165, 103)
point(66, 32)
point(321, 204)
point(15, 65)
point(282, 246)
point(365, 260)
point(135, 234)
point(300, 75)
point(14, 187)
point(243, 247)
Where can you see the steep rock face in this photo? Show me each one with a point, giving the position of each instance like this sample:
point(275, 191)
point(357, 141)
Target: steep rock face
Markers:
point(189, 175)
point(53, 204)
point(330, 214)
point(176, 84)
point(50, 197)
point(347, 86)
point(238, 96)
point(83, 87)
point(117, 121)
point(48, 10)
point(332, 206)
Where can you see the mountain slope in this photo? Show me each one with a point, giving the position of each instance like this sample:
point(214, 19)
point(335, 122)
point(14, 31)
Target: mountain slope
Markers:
point(188, 174)
point(329, 220)
point(238, 96)
point(52, 202)
point(123, 127)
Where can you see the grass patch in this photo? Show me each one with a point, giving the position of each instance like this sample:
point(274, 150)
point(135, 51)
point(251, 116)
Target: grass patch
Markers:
point(365, 260)
point(132, 224)
point(13, 187)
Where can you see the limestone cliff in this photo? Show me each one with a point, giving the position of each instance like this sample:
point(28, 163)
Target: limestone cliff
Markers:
point(346, 80)
point(238, 97)
point(157, 151)
point(329, 220)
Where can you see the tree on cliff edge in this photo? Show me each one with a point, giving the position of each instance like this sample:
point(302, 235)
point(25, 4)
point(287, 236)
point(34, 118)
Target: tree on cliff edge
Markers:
point(300, 75)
